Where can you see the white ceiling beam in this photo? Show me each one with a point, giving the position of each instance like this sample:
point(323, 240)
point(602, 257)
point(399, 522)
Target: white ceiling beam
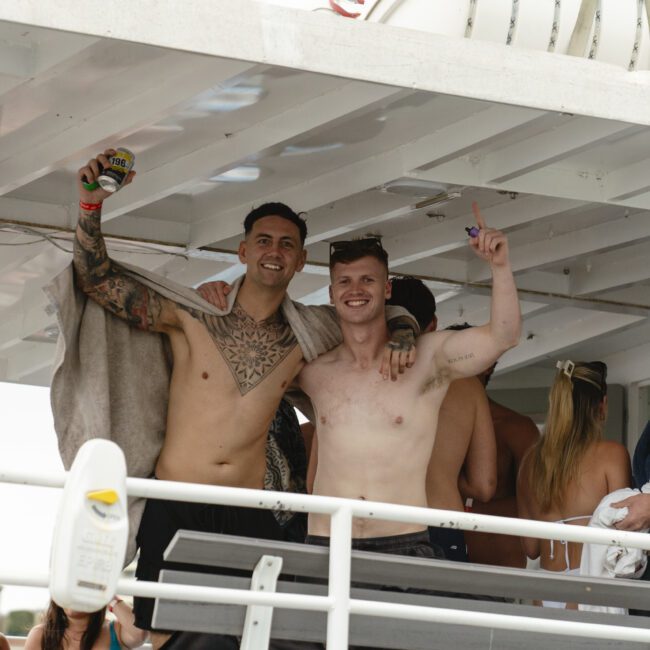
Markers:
point(572, 245)
point(180, 172)
point(35, 212)
point(549, 147)
point(139, 96)
point(629, 365)
point(247, 30)
point(554, 334)
point(610, 275)
point(449, 235)
point(562, 181)
point(22, 321)
point(445, 143)
point(27, 358)
point(16, 250)
point(26, 59)
point(627, 182)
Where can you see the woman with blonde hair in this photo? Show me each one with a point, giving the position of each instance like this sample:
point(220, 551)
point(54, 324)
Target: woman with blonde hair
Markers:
point(571, 468)
point(66, 629)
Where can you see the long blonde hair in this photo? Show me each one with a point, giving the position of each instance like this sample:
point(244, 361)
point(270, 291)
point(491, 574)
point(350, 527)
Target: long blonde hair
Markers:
point(573, 423)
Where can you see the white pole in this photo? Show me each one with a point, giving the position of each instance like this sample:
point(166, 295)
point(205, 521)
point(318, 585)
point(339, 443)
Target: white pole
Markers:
point(338, 618)
point(500, 621)
point(176, 490)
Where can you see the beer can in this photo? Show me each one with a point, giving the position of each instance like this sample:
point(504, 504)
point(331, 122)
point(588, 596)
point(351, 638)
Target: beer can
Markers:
point(112, 177)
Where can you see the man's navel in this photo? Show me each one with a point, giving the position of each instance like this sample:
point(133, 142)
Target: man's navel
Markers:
point(205, 375)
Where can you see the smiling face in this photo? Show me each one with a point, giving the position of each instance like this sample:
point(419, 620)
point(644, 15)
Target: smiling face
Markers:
point(272, 252)
point(359, 290)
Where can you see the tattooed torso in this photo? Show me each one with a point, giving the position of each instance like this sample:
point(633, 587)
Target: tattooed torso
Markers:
point(250, 349)
point(229, 373)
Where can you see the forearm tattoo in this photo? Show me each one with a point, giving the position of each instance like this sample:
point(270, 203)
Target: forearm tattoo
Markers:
point(98, 277)
point(402, 339)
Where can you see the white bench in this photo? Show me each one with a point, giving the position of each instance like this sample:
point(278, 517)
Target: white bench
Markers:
point(474, 581)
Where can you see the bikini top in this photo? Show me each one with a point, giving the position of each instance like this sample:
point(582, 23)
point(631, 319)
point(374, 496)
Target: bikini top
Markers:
point(564, 542)
point(115, 644)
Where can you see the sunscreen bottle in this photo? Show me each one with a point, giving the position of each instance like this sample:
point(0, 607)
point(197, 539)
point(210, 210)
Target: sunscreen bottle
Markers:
point(91, 531)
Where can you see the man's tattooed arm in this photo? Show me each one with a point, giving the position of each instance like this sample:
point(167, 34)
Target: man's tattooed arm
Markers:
point(101, 280)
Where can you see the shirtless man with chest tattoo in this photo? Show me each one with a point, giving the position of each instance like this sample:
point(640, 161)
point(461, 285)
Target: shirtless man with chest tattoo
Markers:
point(229, 373)
point(373, 443)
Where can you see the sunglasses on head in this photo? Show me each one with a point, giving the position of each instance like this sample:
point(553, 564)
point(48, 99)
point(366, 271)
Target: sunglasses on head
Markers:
point(355, 245)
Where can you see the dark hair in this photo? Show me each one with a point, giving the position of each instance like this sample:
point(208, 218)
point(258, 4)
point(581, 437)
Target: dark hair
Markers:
point(345, 252)
point(414, 296)
point(459, 327)
point(55, 623)
point(276, 210)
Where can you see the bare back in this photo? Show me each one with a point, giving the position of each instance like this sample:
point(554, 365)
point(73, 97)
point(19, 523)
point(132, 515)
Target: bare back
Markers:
point(464, 421)
point(515, 434)
point(374, 437)
point(605, 467)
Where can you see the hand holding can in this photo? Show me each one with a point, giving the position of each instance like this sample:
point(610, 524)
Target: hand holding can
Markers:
point(105, 174)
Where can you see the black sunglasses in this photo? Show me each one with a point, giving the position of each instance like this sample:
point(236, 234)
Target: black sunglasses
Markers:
point(355, 245)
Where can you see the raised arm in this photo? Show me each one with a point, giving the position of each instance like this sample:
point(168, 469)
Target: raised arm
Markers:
point(98, 276)
point(471, 351)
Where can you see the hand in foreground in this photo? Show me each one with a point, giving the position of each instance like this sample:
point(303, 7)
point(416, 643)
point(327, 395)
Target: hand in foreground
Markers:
point(638, 516)
point(399, 353)
point(490, 245)
point(90, 172)
point(215, 293)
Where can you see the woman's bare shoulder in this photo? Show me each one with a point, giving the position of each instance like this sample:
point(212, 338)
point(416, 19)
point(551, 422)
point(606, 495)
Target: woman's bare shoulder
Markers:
point(34, 638)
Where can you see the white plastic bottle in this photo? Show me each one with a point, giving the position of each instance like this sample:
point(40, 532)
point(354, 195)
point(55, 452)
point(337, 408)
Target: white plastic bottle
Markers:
point(90, 536)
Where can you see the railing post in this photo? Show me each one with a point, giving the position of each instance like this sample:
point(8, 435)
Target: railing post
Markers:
point(338, 618)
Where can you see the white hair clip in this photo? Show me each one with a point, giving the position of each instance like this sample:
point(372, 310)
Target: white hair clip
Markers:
point(567, 367)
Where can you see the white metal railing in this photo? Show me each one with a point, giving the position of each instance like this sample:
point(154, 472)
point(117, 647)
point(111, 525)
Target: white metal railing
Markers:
point(338, 603)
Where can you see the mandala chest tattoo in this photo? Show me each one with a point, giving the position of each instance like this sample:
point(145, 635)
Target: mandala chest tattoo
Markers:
point(252, 350)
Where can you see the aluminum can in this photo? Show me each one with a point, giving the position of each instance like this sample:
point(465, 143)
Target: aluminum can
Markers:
point(121, 163)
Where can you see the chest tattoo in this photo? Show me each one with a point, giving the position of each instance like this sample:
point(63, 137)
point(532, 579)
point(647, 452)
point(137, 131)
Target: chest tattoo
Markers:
point(252, 350)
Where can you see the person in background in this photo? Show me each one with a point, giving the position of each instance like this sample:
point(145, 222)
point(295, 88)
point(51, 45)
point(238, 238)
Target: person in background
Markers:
point(515, 434)
point(463, 461)
point(66, 629)
point(571, 468)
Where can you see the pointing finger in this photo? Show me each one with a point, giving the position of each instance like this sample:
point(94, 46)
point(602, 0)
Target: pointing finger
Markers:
point(478, 216)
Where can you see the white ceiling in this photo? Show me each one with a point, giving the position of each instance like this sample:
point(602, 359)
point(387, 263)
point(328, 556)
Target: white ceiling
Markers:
point(566, 177)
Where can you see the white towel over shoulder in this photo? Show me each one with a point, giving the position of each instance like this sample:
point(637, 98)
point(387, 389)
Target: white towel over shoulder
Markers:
point(612, 561)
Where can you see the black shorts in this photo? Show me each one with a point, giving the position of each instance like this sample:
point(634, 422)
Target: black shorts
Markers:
point(451, 541)
point(162, 519)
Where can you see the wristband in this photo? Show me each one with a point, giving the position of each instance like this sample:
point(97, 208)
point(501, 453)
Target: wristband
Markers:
point(89, 206)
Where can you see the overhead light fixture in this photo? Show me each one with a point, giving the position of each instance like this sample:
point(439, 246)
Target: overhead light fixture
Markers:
point(438, 199)
point(225, 100)
point(299, 150)
point(242, 174)
point(414, 187)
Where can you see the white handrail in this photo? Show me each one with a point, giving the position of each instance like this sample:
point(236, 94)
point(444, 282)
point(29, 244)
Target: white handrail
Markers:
point(248, 498)
point(338, 603)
